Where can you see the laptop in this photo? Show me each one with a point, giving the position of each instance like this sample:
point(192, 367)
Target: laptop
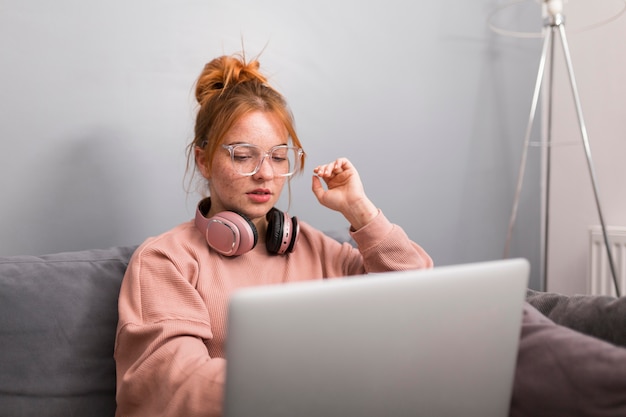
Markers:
point(438, 342)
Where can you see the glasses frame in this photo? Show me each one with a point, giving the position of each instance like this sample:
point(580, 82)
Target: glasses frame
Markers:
point(265, 154)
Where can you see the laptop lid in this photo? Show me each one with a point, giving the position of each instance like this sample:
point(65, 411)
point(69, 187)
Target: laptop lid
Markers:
point(439, 342)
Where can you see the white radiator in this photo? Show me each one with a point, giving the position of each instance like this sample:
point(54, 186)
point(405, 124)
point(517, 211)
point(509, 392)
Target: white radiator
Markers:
point(600, 277)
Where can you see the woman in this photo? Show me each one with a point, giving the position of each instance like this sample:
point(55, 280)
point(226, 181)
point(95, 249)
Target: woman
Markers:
point(173, 300)
point(172, 307)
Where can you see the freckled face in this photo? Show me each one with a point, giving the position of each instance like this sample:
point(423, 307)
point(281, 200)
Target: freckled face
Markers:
point(253, 195)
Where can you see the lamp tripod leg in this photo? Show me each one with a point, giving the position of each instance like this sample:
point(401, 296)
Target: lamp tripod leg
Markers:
point(585, 138)
point(522, 168)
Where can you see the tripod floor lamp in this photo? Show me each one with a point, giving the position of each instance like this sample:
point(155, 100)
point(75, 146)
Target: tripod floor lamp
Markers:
point(553, 28)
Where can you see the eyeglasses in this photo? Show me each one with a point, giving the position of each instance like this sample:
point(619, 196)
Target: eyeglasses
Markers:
point(247, 158)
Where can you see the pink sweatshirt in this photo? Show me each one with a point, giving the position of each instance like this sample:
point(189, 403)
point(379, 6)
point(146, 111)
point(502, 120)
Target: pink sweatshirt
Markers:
point(169, 348)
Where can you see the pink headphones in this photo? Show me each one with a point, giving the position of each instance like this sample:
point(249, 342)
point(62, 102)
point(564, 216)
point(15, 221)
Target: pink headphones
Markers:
point(231, 233)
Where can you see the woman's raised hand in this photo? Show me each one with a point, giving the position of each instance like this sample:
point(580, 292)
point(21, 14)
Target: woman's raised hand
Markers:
point(344, 192)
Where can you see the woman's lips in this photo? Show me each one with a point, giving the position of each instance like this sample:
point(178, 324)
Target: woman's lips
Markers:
point(260, 196)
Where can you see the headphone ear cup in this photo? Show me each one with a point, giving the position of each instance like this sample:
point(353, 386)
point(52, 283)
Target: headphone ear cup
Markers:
point(282, 232)
point(295, 234)
point(273, 236)
point(231, 233)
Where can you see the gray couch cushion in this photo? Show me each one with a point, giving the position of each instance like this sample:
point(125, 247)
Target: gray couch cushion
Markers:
point(58, 315)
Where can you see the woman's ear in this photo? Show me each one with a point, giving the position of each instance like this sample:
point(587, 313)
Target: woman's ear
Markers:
point(201, 161)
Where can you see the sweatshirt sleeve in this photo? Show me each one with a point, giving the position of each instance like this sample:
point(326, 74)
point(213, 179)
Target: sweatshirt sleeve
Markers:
point(163, 365)
point(386, 247)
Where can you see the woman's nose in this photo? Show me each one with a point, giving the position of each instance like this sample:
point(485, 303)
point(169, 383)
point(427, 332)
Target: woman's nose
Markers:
point(265, 170)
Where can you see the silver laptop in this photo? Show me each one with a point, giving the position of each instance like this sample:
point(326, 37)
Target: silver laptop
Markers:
point(439, 342)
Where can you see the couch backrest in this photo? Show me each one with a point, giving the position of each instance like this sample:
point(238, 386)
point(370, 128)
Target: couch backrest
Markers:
point(58, 316)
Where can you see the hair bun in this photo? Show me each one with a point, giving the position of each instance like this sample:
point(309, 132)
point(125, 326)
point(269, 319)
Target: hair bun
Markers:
point(224, 72)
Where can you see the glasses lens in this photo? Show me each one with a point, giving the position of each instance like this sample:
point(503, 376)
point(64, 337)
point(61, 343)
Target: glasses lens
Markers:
point(247, 159)
point(285, 160)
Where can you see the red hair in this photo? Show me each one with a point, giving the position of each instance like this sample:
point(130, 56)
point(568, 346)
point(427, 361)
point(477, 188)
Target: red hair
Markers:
point(228, 88)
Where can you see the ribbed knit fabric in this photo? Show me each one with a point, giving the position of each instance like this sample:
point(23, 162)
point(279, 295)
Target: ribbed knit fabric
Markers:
point(173, 302)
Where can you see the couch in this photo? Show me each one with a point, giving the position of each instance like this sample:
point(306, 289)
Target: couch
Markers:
point(58, 316)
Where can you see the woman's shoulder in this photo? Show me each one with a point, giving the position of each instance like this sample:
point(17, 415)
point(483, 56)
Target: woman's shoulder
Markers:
point(179, 240)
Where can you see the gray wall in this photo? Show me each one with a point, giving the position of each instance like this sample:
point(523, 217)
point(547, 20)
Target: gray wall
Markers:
point(97, 107)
